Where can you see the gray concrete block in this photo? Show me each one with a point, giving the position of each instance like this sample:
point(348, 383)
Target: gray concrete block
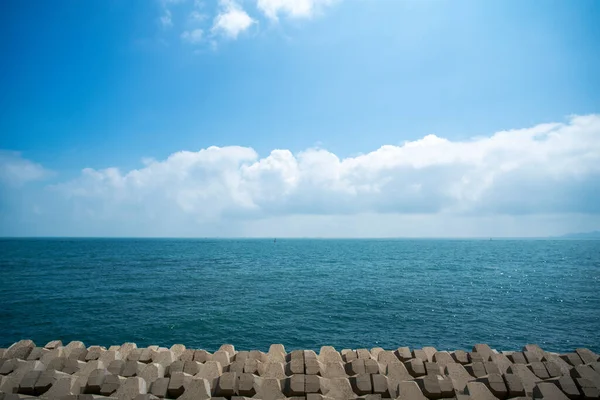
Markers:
point(50, 355)
point(57, 363)
point(109, 356)
point(380, 385)
point(553, 369)
point(539, 370)
point(312, 366)
point(478, 391)
point(363, 354)
point(372, 366)
point(502, 362)
point(227, 385)
point(53, 344)
point(429, 352)
point(72, 346)
point(241, 356)
point(404, 354)
point(178, 349)
point(548, 391)
point(355, 367)
point(27, 384)
point(145, 356)
point(329, 354)
point(476, 369)
point(224, 358)
point(295, 366)
point(94, 353)
point(387, 357)
point(491, 368)
point(416, 367)
point(565, 367)
point(587, 356)
point(35, 354)
point(20, 349)
point(294, 385)
point(572, 359)
point(361, 384)
point(527, 377)
point(272, 370)
point(333, 370)
point(338, 388)
point(46, 380)
point(196, 389)
point(348, 355)
point(587, 388)
point(238, 367)
point(517, 358)
point(159, 387)
point(72, 366)
point(63, 386)
point(443, 358)
point(429, 385)
point(116, 367)
point(177, 366)
point(461, 357)
point(531, 357)
point(484, 350)
point(126, 348)
point(146, 396)
point(246, 385)
point(495, 383)
point(192, 367)
point(251, 366)
point(95, 381)
point(132, 368)
point(534, 348)
point(187, 355)
point(375, 352)
point(432, 368)
point(514, 385)
point(202, 356)
point(568, 386)
point(151, 372)
point(587, 372)
point(409, 390)
point(420, 354)
point(459, 376)
point(131, 388)
point(312, 384)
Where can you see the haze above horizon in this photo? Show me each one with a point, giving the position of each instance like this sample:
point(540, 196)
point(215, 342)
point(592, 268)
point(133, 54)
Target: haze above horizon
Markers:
point(328, 118)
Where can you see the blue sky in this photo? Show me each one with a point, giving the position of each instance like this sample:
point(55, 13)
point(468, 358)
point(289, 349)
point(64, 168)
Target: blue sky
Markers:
point(98, 93)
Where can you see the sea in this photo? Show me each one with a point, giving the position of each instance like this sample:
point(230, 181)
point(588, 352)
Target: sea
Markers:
point(303, 293)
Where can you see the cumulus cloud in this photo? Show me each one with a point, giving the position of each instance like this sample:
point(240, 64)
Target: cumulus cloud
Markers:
point(232, 20)
point(16, 170)
point(292, 8)
point(548, 168)
point(193, 36)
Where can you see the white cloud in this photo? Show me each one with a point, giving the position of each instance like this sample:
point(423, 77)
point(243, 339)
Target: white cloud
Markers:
point(292, 8)
point(166, 19)
point(16, 170)
point(193, 36)
point(547, 169)
point(197, 17)
point(232, 20)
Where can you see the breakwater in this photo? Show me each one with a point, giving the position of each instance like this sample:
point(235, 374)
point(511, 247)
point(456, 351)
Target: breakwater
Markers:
point(126, 372)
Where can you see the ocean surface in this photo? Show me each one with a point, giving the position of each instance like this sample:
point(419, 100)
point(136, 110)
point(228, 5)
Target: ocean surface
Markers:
point(303, 293)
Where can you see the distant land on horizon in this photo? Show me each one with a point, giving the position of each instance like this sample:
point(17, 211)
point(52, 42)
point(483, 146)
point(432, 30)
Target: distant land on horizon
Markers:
point(582, 235)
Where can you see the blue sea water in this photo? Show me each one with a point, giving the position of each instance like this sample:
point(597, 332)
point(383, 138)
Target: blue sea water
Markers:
point(449, 294)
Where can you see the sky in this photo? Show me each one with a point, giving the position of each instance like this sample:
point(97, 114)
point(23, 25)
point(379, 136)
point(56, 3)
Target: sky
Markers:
point(299, 118)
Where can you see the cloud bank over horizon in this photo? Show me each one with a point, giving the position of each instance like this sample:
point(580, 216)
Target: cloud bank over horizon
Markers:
point(549, 173)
